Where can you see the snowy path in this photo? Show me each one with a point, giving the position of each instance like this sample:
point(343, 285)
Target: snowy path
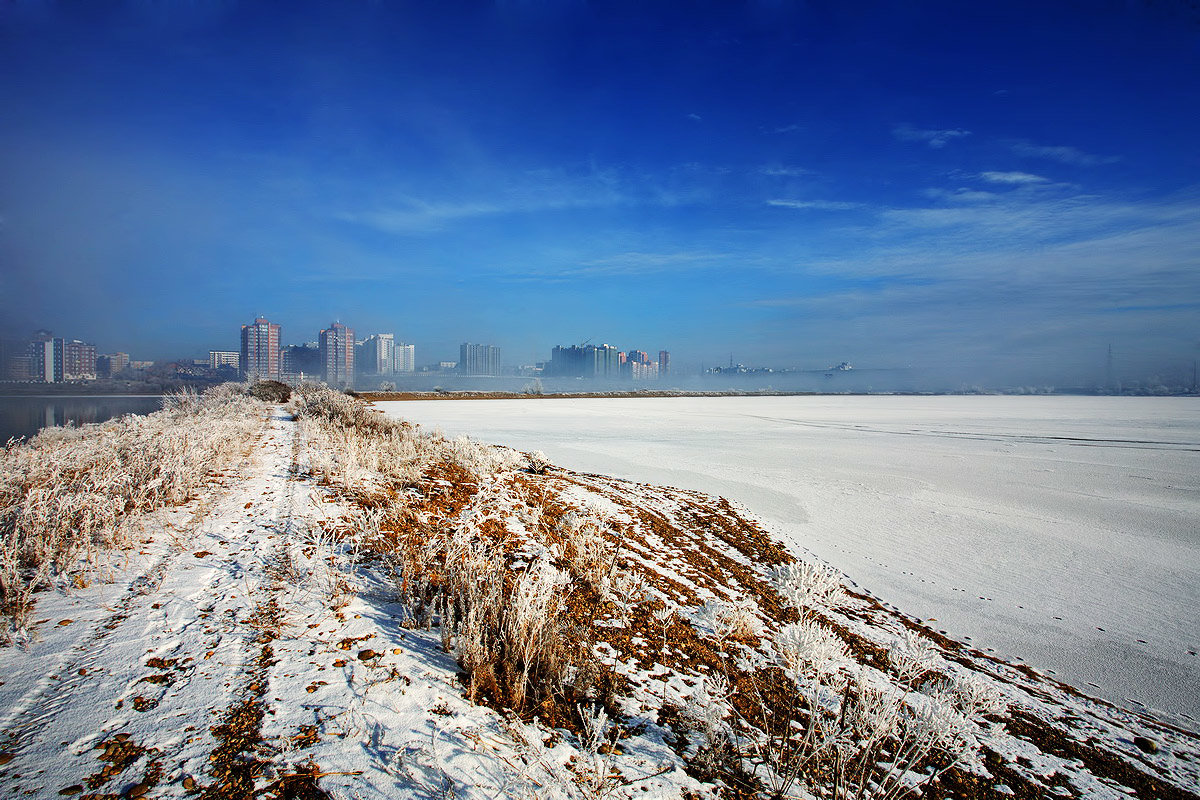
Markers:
point(152, 663)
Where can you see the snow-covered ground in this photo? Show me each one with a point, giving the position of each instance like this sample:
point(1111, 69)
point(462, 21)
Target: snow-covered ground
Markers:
point(1063, 532)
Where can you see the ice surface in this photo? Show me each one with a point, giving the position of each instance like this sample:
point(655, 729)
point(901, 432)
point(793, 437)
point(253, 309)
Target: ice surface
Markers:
point(1063, 532)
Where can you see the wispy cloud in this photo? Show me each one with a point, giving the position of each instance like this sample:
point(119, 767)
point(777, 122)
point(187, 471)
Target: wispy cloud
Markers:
point(410, 215)
point(933, 137)
point(520, 193)
point(694, 116)
point(1018, 178)
point(815, 205)
point(782, 171)
point(962, 195)
point(1061, 153)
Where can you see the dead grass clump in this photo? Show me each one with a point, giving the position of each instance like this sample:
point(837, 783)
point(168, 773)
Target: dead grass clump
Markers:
point(270, 391)
point(67, 494)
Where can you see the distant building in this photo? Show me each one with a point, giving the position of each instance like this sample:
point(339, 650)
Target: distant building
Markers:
point(260, 350)
point(15, 360)
point(585, 361)
point(404, 358)
point(664, 363)
point(337, 354)
point(642, 371)
point(633, 365)
point(478, 359)
point(79, 361)
point(376, 355)
point(301, 362)
point(111, 364)
point(224, 358)
point(46, 357)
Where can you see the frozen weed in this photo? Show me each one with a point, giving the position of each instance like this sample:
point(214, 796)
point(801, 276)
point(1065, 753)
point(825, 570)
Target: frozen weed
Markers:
point(869, 737)
point(913, 658)
point(803, 585)
point(733, 621)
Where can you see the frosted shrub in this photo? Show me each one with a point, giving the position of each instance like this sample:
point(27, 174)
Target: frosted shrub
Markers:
point(353, 447)
point(482, 460)
point(735, 621)
point(806, 649)
point(708, 710)
point(872, 738)
point(590, 556)
point(536, 600)
point(597, 776)
point(67, 493)
point(968, 694)
point(803, 585)
point(537, 463)
point(913, 657)
point(665, 615)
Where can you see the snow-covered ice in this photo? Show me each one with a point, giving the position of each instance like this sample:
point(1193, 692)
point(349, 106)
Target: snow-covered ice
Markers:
point(1063, 532)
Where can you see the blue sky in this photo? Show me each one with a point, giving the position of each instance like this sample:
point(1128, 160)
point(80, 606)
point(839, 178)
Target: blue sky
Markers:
point(1005, 189)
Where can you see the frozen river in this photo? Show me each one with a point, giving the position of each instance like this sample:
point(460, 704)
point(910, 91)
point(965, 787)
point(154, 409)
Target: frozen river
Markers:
point(1063, 532)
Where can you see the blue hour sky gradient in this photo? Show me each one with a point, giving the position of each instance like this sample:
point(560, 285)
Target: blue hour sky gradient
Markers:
point(1000, 188)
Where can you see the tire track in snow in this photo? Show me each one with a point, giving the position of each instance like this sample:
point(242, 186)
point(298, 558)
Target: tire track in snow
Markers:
point(171, 656)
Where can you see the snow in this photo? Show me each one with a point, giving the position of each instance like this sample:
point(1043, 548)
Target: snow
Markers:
point(1061, 532)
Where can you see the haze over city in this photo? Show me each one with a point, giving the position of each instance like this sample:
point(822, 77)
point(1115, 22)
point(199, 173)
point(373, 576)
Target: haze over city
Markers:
point(998, 192)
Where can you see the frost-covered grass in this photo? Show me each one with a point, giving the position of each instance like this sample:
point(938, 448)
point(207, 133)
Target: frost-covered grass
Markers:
point(69, 494)
point(505, 630)
point(356, 448)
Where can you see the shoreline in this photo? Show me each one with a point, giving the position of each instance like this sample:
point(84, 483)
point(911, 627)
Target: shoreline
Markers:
point(483, 394)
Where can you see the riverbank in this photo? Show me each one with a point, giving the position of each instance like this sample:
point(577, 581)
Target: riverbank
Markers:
point(359, 608)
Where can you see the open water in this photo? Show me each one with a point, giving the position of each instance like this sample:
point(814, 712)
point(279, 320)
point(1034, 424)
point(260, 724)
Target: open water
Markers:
point(24, 416)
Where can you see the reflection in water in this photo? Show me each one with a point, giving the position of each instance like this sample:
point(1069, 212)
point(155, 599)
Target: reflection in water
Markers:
point(25, 416)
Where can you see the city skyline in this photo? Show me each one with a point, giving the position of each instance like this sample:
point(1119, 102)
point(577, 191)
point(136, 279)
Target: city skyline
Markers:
point(999, 191)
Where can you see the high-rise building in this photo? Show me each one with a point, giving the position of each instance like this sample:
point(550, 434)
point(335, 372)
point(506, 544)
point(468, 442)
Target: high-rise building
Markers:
point(585, 361)
point(79, 361)
point(643, 371)
point(46, 357)
point(664, 363)
point(260, 350)
point(300, 362)
point(405, 358)
point(376, 355)
point(337, 354)
point(225, 358)
point(478, 359)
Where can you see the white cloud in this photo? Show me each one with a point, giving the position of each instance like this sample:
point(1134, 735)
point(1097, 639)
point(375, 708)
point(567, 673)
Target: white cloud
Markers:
point(932, 137)
point(962, 195)
point(816, 205)
point(1061, 153)
point(781, 171)
point(1018, 178)
point(694, 116)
